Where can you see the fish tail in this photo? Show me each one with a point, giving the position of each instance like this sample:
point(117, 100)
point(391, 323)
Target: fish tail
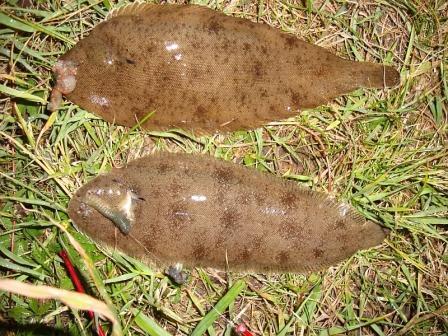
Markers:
point(375, 75)
point(374, 234)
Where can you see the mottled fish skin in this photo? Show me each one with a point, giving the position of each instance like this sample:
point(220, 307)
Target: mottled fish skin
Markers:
point(199, 211)
point(199, 69)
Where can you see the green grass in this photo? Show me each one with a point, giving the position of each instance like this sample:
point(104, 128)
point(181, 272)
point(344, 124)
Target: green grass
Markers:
point(384, 151)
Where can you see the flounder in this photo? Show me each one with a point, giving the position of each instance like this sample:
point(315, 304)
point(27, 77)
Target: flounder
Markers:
point(199, 69)
point(199, 211)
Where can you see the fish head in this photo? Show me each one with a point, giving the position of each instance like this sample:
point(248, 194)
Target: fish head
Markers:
point(104, 204)
point(92, 73)
point(96, 54)
point(67, 68)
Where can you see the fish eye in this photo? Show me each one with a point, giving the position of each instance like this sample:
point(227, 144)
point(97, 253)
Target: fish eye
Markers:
point(102, 54)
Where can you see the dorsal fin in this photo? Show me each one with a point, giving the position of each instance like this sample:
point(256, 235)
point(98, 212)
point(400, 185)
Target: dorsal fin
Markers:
point(133, 8)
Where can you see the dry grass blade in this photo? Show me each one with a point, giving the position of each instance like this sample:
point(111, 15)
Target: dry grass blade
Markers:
point(72, 299)
point(421, 318)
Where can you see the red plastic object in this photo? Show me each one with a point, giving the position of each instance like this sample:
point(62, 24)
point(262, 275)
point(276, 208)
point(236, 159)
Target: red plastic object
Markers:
point(241, 329)
point(77, 283)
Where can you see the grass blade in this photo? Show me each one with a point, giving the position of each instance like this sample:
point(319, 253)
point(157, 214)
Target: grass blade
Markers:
point(20, 269)
point(14, 24)
point(306, 310)
point(69, 298)
point(16, 258)
point(149, 325)
point(31, 27)
point(219, 308)
point(20, 94)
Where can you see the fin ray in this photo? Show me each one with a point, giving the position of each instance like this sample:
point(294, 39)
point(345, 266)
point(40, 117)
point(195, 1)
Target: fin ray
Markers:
point(130, 9)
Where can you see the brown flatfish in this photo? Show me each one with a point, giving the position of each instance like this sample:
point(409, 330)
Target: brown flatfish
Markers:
point(198, 69)
point(200, 211)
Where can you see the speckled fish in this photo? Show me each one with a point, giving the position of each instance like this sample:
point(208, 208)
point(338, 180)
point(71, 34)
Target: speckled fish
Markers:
point(199, 69)
point(199, 211)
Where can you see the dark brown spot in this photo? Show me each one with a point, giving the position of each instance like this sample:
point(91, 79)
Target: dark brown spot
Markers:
point(130, 61)
point(290, 41)
point(223, 175)
point(200, 113)
point(221, 239)
point(340, 225)
point(320, 72)
point(230, 219)
point(226, 45)
point(258, 70)
point(156, 193)
point(296, 99)
point(282, 257)
point(214, 26)
point(199, 252)
point(289, 199)
point(175, 187)
point(264, 50)
point(243, 257)
point(243, 98)
point(247, 47)
point(189, 171)
point(163, 168)
point(318, 253)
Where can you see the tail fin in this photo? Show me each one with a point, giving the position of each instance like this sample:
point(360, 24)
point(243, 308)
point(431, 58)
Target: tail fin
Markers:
point(376, 75)
point(373, 234)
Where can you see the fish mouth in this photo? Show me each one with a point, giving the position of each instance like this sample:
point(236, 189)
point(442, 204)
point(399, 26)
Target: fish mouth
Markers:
point(65, 73)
